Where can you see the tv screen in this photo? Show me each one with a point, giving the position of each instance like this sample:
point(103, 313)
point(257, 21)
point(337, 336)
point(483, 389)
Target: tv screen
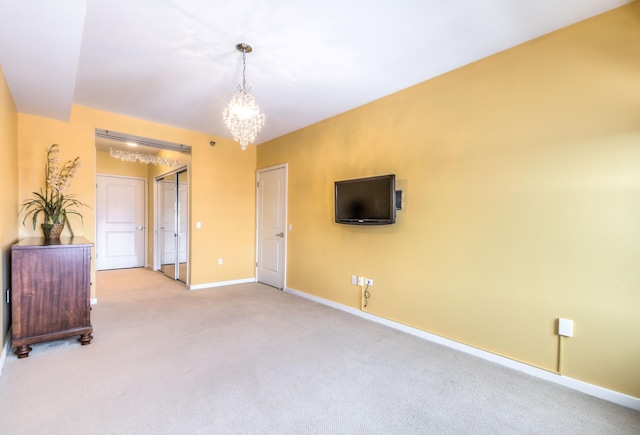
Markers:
point(366, 201)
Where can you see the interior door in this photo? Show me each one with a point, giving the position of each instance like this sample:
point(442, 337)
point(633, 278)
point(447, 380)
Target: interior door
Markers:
point(120, 222)
point(271, 226)
point(173, 220)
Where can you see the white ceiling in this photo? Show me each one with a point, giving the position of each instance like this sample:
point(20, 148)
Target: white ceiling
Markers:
point(175, 62)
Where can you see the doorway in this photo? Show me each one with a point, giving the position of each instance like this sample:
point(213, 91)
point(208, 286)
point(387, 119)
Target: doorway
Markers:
point(271, 213)
point(172, 224)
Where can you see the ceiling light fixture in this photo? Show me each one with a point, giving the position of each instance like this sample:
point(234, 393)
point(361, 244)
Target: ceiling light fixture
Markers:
point(242, 116)
point(144, 158)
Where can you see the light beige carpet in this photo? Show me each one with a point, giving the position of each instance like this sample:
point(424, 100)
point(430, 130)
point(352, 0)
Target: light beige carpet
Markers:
point(250, 359)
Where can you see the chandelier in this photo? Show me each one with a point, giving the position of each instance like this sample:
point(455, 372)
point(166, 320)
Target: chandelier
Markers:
point(242, 116)
point(144, 158)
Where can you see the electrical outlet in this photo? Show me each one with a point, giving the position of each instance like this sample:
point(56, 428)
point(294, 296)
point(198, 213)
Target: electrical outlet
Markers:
point(368, 282)
point(360, 281)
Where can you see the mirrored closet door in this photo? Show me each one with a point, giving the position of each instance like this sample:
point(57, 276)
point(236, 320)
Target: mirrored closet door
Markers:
point(173, 224)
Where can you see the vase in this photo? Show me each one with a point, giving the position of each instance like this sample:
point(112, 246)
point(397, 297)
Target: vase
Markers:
point(52, 231)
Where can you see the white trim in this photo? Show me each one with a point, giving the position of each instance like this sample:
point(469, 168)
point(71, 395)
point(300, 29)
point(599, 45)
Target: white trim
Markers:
point(220, 283)
point(5, 350)
point(586, 388)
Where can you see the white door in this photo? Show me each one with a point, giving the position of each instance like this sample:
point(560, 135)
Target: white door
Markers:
point(120, 226)
point(271, 225)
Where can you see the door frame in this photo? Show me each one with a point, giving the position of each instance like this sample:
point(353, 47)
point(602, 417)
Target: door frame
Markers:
point(284, 166)
point(146, 212)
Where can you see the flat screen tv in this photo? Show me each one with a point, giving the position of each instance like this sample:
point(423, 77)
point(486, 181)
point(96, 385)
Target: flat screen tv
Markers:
point(366, 201)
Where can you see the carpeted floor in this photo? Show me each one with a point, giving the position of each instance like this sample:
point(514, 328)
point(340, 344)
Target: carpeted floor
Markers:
point(250, 359)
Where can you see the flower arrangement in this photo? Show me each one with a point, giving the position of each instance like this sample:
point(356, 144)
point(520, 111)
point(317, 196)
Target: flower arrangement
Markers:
point(53, 203)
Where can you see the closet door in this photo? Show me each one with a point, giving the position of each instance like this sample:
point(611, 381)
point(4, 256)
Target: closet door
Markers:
point(173, 219)
point(182, 216)
point(167, 206)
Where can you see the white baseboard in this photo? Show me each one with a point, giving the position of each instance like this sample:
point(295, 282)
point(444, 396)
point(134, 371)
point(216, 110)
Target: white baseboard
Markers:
point(584, 387)
point(221, 283)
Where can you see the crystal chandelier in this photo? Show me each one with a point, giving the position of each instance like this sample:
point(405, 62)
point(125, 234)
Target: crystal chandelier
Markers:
point(144, 158)
point(242, 116)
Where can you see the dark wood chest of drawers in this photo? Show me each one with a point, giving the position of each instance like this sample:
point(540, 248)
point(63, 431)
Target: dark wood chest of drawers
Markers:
point(50, 291)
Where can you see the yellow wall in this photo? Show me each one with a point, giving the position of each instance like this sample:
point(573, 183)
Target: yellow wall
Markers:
point(521, 179)
point(8, 195)
point(222, 185)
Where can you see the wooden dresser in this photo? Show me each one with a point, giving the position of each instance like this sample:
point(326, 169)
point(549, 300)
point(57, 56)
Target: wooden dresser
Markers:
point(50, 291)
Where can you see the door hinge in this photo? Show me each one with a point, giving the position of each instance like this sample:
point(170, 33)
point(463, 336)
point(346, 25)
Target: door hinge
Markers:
point(257, 184)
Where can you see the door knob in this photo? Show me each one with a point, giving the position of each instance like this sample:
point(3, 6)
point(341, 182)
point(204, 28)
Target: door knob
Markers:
point(280, 235)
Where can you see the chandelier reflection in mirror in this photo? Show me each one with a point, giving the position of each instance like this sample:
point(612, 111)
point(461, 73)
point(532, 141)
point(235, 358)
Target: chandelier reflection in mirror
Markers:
point(144, 158)
point(242, 116)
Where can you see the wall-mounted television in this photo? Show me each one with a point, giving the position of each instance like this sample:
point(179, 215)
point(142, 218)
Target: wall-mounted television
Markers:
point(366, 201)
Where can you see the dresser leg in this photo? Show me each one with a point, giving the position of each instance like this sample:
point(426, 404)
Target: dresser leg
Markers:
point(23, 351)
point(86, 338)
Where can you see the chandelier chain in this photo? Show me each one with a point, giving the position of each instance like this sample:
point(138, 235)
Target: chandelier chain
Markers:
point(244, 69)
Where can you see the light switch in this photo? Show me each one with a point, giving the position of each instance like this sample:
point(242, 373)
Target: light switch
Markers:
point(565, 327)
